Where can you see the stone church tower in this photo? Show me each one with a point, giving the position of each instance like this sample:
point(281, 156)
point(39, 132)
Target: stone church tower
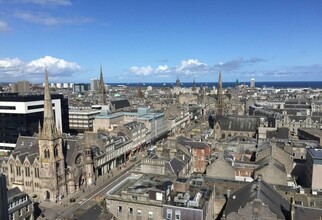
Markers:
point(51, 157)
point(102, 91)
point(220, 99)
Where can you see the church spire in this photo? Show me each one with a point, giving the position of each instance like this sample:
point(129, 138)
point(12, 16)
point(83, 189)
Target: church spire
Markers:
point(102, 92)
point(220, 101)
point(49, 130)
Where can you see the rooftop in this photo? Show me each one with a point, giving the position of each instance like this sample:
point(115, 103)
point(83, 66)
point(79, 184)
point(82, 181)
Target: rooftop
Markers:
point(313, 131)
point(315, 152)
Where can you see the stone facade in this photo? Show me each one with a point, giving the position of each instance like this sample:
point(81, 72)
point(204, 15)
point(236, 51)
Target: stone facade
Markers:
point(49, 165)
point(220, 168)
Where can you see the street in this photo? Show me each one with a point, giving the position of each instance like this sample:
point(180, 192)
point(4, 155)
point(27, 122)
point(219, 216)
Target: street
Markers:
point(88, 197)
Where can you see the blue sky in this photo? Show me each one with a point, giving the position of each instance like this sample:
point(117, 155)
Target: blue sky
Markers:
point(160, 40)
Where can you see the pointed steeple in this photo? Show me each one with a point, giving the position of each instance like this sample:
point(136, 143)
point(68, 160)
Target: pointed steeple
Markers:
point(219, 90)
point(219, 103)
point(102, 92)
point(49, 130)
point(193, 85)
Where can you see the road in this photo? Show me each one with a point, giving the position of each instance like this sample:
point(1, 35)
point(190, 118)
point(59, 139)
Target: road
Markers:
point(87, 199)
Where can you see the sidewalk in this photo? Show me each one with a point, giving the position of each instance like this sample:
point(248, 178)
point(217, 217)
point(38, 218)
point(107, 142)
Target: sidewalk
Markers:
point(51, 210)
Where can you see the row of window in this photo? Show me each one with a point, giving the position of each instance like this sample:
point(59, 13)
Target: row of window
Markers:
point(177, 214)
point(27, 171)
point(18, 202)
point(131, 211)
point(12, 216)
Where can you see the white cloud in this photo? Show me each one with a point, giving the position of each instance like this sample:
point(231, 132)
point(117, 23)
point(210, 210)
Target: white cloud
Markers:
point(192, 66)
point(142, 71)
point(13, 69)
point(186, 68)
point(48, 20)
point(195, 68)
point(162, 68)
point(48, 2)
point(3, 27)
point(53, 64)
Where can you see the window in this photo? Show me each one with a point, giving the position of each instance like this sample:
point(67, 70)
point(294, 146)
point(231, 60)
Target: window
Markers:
point(150, 214)
point(139, 212)
point(56, 151)
point(27, 208)
point(20, 212)
point(119, 209)
point(177, 215)
point(298, 202)
point(27, 171)
point(18, 170)
point(11, 217)
point(37, 172)
point(47, 153)
point(11, 168)
point(169, 214)
point(130, 211)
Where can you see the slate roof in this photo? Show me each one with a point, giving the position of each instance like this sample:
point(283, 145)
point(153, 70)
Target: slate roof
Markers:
point(119, 104)
point(32, 158)
point(176, 165)
point(302, 212)
point(238, 123)
point(13, 192)
point(270, 160)
point(27, 144)
point(193, 144)
point(282, 133)
point(258, 189)
point(23, 156)
point(71, 152)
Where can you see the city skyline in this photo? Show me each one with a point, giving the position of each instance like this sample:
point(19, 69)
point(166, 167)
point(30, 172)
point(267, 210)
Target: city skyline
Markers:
point(160, 41)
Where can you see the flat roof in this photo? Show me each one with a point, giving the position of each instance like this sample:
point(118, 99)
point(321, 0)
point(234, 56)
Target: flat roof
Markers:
point(315, 152)
point(314, 131)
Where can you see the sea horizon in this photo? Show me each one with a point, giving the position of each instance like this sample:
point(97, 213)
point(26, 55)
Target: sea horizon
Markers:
point(260, 84)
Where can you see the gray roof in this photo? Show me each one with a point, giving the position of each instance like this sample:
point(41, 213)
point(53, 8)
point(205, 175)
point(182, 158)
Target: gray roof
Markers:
point(13, 192)
point(71, 152)
point(315, 152)
point(119, 104)
point(27, 144)
point(269, 160)
point(302, 212)
point(193, 144)
point(259, 189)
point(238, 123)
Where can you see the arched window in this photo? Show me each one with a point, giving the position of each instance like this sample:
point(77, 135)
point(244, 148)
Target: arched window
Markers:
point(47, 154)
point(56, 151)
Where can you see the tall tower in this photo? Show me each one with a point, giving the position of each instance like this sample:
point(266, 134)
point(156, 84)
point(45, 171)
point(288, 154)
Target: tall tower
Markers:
point(252, 83)
point(90, 176)
point(193, 89)
point(220, 99)
point(52, 166)
point(102, 91)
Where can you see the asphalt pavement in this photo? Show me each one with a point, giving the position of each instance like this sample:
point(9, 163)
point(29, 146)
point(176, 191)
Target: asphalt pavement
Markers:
point(88, 196)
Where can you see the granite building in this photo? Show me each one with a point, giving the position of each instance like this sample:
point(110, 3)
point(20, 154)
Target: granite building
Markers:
point(49, 165)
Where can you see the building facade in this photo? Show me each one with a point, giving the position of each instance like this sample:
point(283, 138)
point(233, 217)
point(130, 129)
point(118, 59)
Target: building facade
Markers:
point(49, 165)
point(314, 168)
point(21, 115)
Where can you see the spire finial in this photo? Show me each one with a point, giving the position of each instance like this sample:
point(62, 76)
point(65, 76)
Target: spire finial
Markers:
point(49, 127)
